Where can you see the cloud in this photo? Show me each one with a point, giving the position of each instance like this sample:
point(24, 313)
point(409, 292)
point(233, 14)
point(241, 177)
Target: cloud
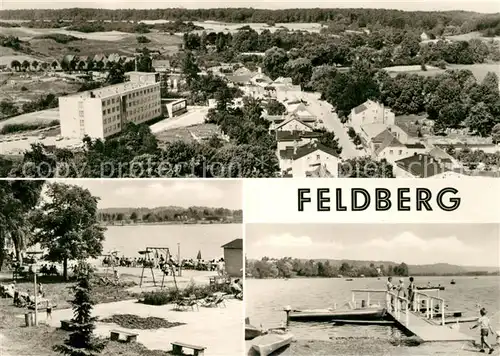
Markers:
point(405, 247)
point(175, 193)
point(286, 240)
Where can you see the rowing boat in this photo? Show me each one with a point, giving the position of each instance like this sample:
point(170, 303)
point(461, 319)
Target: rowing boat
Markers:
point(373, 313)
point(267, 344)
point(251, 332)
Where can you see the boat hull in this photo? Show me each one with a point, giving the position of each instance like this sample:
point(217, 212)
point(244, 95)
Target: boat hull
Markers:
point(329, 315)
point(431, 287)
point(251, 332)
point(266, 345)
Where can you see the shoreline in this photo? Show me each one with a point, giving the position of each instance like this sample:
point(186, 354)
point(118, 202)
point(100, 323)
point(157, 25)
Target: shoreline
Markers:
point(171, 223)
point(381, 278)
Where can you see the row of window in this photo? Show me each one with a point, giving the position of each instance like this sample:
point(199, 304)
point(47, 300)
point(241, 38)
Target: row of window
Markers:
point(110, 129)
point(144, 100)
point(116, 100)
point(146, 116)
point(111, 119)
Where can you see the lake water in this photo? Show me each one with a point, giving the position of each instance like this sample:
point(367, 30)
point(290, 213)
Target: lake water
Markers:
point(208, 239)
point(265, 300)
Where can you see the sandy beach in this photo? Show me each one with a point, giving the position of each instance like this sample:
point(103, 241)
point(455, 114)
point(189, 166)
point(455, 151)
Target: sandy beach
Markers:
point(201, 327)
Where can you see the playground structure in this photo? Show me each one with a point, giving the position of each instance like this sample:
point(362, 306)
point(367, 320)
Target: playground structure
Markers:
point(153, 258)
point(111, 258)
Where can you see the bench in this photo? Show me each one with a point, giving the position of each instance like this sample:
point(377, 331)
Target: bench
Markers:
point(67, 325)
point(178, 346)
point(129, 337)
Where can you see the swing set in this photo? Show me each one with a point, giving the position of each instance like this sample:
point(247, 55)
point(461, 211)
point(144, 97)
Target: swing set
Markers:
point(152, 258)
point(111, 261)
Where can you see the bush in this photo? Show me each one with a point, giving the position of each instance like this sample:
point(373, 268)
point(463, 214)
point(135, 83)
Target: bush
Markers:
point(142, 39)
point(351, 132)
point(170, 295)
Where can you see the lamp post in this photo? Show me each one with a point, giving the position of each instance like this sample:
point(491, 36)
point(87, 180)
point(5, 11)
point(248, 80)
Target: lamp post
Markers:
point(34, 253)
point(179, 258)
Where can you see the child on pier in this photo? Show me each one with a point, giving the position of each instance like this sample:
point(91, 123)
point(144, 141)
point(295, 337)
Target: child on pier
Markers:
point(484, 323)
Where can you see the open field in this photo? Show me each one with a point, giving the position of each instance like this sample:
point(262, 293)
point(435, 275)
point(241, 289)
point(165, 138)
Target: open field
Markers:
point(28, 87)
point(90, 43)
point(38, 117)
point(472, 35)
point(415, 69)
point(189, 133)
point(479, 70)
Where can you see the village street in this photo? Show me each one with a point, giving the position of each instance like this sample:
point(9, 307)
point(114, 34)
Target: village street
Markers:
point(331, 122)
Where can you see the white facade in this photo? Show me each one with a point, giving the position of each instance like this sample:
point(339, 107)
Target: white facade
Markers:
point(371, 112)
point(309, 162)
point(395, 153)
point(294, 124)
point(103, 112)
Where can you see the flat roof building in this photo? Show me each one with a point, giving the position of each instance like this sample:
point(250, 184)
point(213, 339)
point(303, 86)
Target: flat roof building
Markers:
point(103, 112)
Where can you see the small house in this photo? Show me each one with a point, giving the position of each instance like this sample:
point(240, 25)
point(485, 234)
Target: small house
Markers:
point(233, 257)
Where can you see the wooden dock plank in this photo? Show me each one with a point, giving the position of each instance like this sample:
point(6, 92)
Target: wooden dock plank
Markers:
point(429, 331)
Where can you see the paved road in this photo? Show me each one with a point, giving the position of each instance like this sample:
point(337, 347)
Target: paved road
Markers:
point(332, 123)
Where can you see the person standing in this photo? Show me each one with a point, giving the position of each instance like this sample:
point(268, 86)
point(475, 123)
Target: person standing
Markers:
point(390, 297)
point(401, 292)
point(221, 268)
point(49, 310)
point(411, 293)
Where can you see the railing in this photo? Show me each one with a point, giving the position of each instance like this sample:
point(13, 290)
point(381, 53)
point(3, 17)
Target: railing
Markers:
point(366, 292)
point(396, 303)
point(428, 301)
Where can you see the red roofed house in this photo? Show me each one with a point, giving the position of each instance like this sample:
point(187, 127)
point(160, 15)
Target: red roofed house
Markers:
point(233, 257)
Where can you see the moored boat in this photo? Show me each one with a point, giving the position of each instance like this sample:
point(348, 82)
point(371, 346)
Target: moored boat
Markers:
point(430, 287)
point(267, 344)
point(453, 281)
point(371, 313)
point(251, 332)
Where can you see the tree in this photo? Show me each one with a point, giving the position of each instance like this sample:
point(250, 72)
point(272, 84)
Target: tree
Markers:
point(274, 107)
point(133, 216)
point(82, 342)
point(116, 74)
point(480, 120)
point(17, 199)
point(67, 225)
point(16, 65)
point(300, 70)
point(495, 133)
point(190, 68)
point(35, 65)
point(274, 62)
point(328, 139)
point(25, 65)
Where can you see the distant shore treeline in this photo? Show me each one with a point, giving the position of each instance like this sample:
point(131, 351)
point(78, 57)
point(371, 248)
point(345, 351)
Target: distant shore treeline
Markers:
point(169, 215)
point(425, 20)
point(292, 267)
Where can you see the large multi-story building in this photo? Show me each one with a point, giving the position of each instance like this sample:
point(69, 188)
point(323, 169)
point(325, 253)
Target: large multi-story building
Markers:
point(103, 112)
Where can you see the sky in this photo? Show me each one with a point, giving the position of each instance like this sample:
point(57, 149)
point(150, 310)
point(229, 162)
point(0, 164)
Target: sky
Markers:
point(460, 244)
point(408, 5)
point(119, 193)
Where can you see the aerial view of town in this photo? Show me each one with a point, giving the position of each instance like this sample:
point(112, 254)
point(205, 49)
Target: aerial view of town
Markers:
point(255, 93)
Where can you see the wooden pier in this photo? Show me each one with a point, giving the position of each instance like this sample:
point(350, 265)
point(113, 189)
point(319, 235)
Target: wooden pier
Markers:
point(429, 326)
point(427, 330)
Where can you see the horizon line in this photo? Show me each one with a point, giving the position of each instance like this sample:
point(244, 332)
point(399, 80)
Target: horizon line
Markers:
point(374, 261)
point(247, 8)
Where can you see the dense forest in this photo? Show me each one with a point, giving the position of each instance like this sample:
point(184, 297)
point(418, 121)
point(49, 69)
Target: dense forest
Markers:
point(293, 267)
point(360, 17)
point(171, 214)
